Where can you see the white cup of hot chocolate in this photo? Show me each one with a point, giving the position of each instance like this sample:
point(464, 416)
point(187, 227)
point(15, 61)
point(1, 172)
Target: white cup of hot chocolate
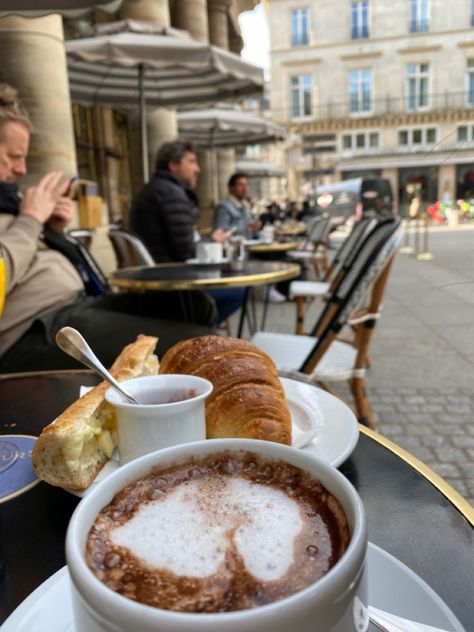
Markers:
point(171, 412)
point(234, 534)
point(209, 251)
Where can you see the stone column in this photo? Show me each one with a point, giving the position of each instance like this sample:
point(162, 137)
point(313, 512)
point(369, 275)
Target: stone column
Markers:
point(392, 175)
point(192, 17)
point(161, 122)
point(447, 182)
point(34, 62)
point(155, 11)
point(218, 28)
point(219, 36)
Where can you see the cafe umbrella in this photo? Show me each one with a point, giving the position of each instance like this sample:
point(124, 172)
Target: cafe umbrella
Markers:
point(131, 62)
point(227, 127)
point(67, 8)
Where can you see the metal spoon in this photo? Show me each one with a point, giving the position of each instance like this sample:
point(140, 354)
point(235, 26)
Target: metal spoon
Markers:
point(71, 342)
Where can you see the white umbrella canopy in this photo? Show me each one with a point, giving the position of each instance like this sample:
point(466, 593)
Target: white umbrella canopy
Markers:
point(67, 8)
point(130, 61)
point(259, 169)
point(222, 127)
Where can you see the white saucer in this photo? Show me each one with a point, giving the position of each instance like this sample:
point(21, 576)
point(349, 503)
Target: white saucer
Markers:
point(392, 587)
point(337, 430)
point(201, 262)
point(321, 424)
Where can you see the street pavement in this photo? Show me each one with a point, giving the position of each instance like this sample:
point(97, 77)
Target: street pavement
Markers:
point(421, 379)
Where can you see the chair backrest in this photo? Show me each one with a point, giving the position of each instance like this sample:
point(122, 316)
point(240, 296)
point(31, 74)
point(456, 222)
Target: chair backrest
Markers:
point(84, 235)
point(320, 230)
point(368, 264)
point(95, 281)
point(349, 247)
point(129, 249)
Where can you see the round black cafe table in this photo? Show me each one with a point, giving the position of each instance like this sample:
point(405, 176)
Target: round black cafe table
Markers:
point(412, 513)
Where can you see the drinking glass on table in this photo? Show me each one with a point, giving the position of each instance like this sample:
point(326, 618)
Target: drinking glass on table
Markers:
point(3, 280)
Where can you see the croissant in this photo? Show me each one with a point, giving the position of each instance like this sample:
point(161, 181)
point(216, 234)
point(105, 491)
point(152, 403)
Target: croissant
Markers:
point(248, 400)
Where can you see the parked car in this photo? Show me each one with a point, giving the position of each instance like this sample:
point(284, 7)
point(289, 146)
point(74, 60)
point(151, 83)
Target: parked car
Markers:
point(359, 197)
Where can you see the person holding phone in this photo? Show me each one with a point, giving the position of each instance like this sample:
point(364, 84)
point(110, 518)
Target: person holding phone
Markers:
point(46, 292)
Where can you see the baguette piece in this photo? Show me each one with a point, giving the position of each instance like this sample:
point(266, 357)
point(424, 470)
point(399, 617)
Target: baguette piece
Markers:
point(73, 449)
point(248, 400)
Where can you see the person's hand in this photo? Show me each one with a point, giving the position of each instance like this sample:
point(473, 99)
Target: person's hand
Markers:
point(62, 214)
point(256, 225)
point(40, 201)
point(220, 235)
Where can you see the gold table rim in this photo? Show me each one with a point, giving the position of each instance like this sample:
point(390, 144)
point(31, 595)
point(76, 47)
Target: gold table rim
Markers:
point(289, 271)
point(435, 479)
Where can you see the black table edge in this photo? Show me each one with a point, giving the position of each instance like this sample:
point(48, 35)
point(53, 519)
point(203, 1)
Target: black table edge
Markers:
point(461, 504)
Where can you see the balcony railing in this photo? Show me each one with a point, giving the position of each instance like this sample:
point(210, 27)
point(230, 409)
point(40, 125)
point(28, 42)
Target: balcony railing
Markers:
point(418, 26)
point(388, 105)
point(360, 32)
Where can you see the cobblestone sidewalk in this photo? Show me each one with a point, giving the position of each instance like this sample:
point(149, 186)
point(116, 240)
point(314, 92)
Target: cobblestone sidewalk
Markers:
point(421, 381)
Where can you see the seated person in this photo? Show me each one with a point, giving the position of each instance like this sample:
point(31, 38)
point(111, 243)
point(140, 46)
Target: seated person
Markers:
point(166, 212)
point(234, 213)
point(44, 290)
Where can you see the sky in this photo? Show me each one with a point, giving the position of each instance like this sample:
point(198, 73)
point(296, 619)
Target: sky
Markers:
point(253, 26)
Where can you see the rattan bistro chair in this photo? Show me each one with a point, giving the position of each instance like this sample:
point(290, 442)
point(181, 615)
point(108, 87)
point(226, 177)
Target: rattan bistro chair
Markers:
point(314, 247)
point(322, 358)
point(304, 292)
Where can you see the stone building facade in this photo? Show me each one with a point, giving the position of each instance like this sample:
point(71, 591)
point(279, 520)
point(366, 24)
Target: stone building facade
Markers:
point(376, 87)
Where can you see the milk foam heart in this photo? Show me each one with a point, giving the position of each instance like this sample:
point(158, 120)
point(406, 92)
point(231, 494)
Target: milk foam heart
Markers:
point(189, 530)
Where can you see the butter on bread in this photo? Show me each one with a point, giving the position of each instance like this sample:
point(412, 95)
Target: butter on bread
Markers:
point(73, 449)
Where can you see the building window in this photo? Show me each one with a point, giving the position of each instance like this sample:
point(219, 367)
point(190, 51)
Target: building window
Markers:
point(360, 90)
point(360, 142)
point(465, 134)
point(417, 138)
point(299, 27)
point(470, 82)
point(417, 87)
point(252, 151)
point(360, 19)
point(419, 16)
point(301, 88)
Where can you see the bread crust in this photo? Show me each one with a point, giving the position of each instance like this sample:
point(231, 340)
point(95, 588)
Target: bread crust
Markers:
point(54, 455)
point(248, 400)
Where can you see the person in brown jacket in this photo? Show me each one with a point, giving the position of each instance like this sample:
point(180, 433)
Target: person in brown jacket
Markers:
point(44, 290)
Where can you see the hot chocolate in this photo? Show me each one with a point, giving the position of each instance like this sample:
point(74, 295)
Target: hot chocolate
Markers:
point(226, 532)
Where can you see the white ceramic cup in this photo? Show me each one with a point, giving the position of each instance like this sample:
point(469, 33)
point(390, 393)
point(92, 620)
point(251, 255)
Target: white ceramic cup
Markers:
point(267, 233)
point(179, 416)
point(209, 251)
point(335, 603)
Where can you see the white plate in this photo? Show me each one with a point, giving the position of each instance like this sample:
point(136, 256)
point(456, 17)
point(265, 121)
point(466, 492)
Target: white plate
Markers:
point(392, 587)
point(200, 262)
point(337, 432)
point(321, 424)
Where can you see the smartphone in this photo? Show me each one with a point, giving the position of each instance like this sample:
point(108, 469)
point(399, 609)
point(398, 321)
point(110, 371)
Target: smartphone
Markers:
point(71, 188)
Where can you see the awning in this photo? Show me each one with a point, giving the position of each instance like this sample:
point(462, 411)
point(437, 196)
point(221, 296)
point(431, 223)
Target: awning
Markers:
point(226, 127)
point(67, 8)
point(137, 64)
point(259, 169)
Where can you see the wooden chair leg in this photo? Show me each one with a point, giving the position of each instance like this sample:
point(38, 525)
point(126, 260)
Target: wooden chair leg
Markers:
point(300, 309)
point(362, 404)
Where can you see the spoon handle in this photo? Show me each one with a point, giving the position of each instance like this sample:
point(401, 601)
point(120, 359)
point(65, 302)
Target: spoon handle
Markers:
point(71, 342)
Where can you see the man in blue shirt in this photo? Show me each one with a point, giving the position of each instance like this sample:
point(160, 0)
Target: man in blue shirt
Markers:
point(235, 213)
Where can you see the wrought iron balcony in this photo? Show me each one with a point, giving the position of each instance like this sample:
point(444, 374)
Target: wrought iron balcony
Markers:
point(388, 105)
point(419, 26)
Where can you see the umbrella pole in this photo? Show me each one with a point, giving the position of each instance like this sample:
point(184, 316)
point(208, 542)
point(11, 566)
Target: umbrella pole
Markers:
point(143, 130)
point(215, 182)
